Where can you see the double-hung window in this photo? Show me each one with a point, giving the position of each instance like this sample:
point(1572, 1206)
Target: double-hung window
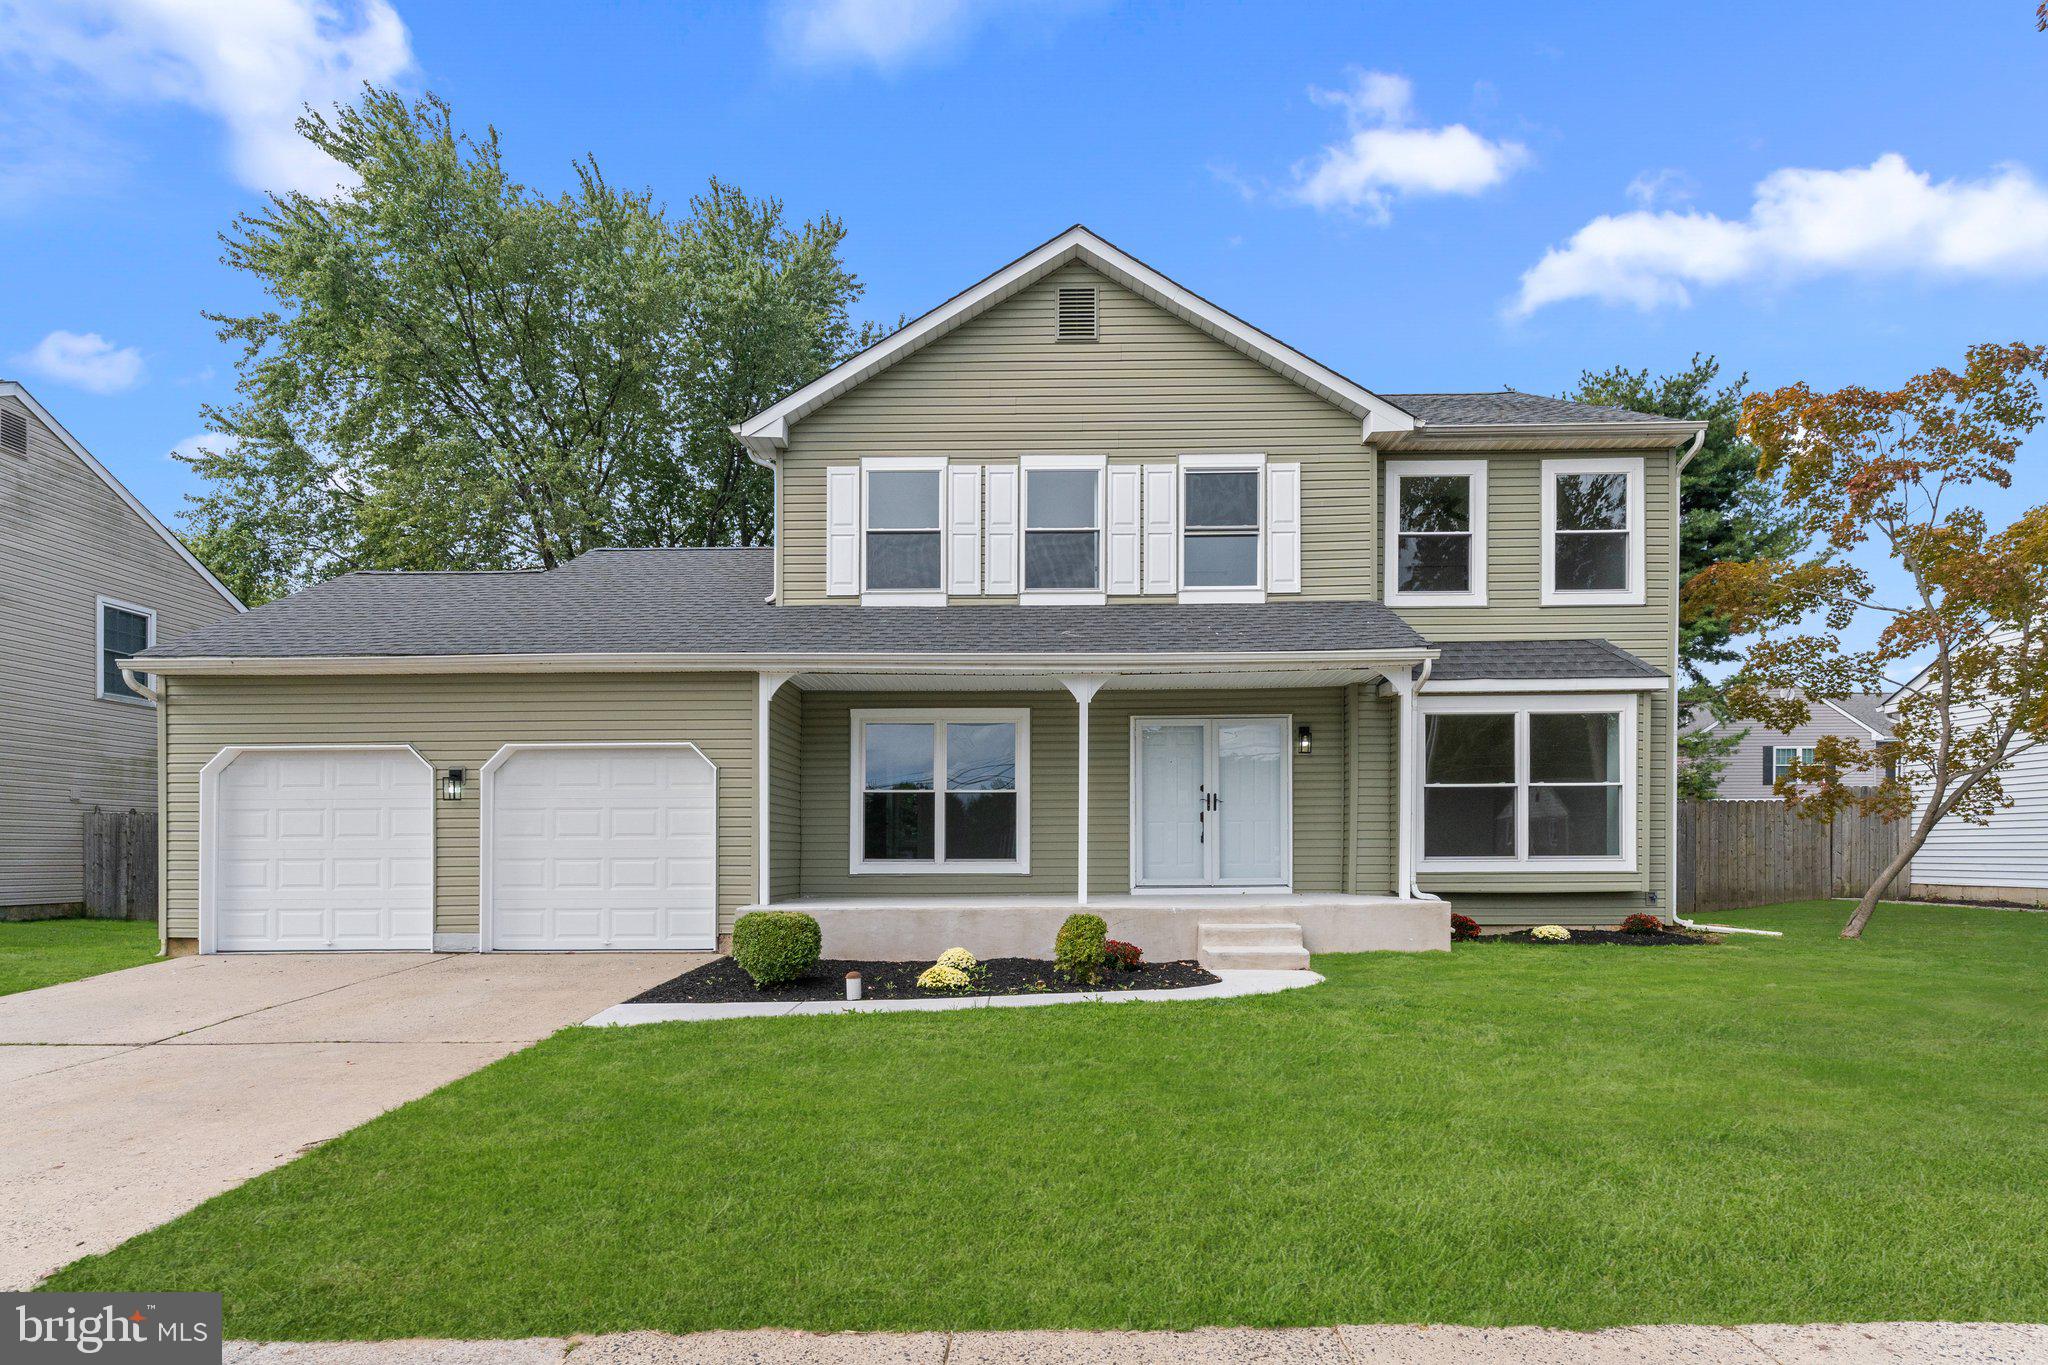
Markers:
point(1593, 532)
point(1782, 759)
point(902, 540)
point(941, 790)
point(1544, 783)
point(1436, 532)
point(1063, 528)
point(1222, 499)
point(124, 631)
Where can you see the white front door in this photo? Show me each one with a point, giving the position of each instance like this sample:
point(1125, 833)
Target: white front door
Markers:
point(1213, 802)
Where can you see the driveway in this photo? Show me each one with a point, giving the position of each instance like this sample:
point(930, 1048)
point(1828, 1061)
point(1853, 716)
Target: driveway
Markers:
point(133, 1096)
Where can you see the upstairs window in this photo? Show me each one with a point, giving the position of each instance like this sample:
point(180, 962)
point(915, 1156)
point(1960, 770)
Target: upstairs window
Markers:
point(1542, 783)
point(1063, 527)
point(1593, 532)
point(902, 543)
point(124, 632)
point(1220, 530)
point(1436, 532)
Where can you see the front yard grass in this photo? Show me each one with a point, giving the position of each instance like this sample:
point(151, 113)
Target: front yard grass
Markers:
point(1771, 1130)
point(45, 952)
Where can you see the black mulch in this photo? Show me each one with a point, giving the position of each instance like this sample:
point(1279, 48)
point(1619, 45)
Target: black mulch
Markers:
point(723, 982)
point(1667, 939)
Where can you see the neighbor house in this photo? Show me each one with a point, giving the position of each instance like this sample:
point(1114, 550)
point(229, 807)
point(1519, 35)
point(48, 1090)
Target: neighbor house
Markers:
point(1761, 756)
point(1083, 592)
point(91, 578)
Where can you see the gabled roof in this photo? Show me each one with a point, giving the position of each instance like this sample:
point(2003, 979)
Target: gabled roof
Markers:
point(11, 389)
point(1864, 710)
point(768, 432)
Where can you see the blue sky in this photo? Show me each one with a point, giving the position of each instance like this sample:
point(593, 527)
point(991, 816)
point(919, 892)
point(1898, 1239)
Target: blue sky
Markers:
point(1436, 196)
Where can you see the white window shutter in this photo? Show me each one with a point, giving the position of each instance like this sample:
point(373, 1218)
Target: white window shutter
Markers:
point(1162, 527)
point(1001, 530)
point(842, 531)
point(1283, 528)
point(963, 528)
point(1123, 529)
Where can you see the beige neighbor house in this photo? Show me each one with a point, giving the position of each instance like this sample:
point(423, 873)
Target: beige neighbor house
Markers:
point(1084, 592)
point(90, 577)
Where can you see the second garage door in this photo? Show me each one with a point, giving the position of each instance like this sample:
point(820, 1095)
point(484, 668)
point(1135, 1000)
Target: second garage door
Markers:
point(602, 846)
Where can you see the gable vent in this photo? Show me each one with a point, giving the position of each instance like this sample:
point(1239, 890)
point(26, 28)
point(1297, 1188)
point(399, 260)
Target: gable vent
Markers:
point(1077, 313)
point(13, 431)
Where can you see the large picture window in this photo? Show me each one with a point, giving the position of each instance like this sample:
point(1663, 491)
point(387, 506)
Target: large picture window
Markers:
point(902, 545)
point(1063, 527)
point(937, 790)
point(124, 631)
point(1593, 532)
point(1544, 782)
point(1436, 532)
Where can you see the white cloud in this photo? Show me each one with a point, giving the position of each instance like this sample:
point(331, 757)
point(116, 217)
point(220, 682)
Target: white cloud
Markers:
point(254, 67)
point(214, 442)
point(888, 34)
point(84, 361)
point(1882, 219)
point(1666, 186)
point(1386, 155)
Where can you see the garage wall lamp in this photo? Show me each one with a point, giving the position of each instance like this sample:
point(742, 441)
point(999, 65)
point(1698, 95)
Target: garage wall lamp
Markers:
point(1305, 740)
point(451, 785)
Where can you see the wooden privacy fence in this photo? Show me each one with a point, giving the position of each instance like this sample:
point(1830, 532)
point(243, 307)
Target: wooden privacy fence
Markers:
point(120, 864)
point(1737, 853)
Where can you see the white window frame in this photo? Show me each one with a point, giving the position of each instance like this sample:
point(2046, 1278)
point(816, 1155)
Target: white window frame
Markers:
point(938, 718)
point(901, 597)
point(1778, 764)
point(1474, 472)
point(99, 647)
point(1063, 597)
point(1240, 463)
point(1521, 707)
point(1632, 594)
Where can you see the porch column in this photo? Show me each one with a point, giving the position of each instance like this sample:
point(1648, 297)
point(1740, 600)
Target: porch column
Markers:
point(1404, 684)
point(1084, 690)
point(770, 684)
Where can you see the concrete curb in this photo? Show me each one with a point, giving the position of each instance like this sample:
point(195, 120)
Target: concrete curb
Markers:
point(1229, 985)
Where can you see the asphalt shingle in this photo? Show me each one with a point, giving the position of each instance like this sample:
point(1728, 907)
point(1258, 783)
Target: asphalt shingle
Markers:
point(1506, 407)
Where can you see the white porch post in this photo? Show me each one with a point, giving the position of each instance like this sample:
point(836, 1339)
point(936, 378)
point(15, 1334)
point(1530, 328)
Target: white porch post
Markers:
point(771, 683)
point(1404, 684)
point(1084, 690)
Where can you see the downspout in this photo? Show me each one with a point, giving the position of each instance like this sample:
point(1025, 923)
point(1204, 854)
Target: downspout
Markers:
point(163, 736)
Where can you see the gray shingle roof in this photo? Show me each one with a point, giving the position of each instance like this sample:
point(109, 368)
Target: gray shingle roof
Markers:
point(713, 602)
point(1536, 660)
point(1507, 407)
point(1870, 710)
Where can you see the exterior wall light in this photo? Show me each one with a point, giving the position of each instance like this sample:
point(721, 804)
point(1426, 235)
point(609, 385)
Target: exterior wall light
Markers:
point(451, 785)
point(1304, 740)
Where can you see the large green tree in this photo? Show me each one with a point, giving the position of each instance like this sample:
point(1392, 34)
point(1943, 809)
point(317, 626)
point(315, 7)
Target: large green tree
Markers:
point(456, 371)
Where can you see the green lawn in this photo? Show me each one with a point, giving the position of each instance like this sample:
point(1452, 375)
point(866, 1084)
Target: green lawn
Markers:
point(45, 952)
point(1771, 1130)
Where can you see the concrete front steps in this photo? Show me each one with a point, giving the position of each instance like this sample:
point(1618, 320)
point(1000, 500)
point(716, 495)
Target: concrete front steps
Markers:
point(1252, 946)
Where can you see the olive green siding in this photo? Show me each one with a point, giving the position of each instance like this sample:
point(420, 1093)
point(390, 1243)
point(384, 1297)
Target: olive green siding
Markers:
point(1153, 388)
point(461, 721)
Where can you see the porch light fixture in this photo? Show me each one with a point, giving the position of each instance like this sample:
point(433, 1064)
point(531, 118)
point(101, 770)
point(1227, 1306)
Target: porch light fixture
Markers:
point(1304, 740)
point(451, 785)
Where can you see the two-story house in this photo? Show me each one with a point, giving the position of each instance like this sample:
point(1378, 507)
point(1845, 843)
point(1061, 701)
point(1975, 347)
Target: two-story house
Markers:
point(1083, 592)
point(90, 578)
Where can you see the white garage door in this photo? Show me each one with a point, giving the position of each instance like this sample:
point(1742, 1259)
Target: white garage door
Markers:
point(323, 848)
point(603, 847)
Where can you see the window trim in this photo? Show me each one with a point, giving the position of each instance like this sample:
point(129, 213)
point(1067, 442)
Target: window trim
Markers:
point(1633, 594)
point(1521, 707)
point(937, 717)
point(1474, 471)
point(99, 652)
point(1226, 462)
point(1063, 597)
point(904, 597)
point(1778, 773)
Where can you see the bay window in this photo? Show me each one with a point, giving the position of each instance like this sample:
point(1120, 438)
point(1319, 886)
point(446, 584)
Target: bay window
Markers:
point(1593, 532)
point(1546, 783)
point(1063, 527)
point(940, 790)
point(1436, 532)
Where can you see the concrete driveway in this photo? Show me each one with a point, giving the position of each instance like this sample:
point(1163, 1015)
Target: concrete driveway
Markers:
point(133, 1096)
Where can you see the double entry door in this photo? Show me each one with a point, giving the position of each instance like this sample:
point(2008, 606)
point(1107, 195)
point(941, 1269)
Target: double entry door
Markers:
point(1213, 802)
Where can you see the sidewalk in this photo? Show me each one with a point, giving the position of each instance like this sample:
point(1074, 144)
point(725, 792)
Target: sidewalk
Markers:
point(1870, 1343)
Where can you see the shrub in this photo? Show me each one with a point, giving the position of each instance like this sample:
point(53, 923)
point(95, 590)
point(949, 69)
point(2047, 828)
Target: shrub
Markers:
point(1550, 933)
point(1464, 926)
point(941, 977)
point(1124, 956)
point(1079, 949)
point(774, 946)
point(1640, 923)
point(958, 957)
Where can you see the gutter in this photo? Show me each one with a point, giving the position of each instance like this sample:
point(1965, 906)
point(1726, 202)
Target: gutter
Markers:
point(135, 681)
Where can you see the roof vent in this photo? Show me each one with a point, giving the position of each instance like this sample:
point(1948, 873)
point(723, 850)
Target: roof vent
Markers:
point(13, 431)
point(1077, 319)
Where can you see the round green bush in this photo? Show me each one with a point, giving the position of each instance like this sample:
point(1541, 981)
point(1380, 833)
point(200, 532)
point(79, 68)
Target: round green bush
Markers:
point(1080, 948)
point(774, 946)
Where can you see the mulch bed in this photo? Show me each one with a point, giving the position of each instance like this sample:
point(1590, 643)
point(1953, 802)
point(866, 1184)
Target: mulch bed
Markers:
point(1667, 939)
point(723, 982)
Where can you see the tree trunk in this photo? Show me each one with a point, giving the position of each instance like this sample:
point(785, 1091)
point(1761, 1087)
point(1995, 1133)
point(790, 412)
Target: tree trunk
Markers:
point(1899, 863)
